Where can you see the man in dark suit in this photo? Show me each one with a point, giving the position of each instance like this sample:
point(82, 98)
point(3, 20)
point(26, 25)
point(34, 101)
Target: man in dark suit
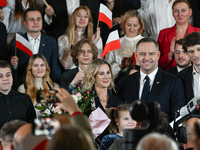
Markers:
point(82, 54)
point(191, 75)
point(56, 26)
point(151, 83)
point(40, 42)
point(181, 58)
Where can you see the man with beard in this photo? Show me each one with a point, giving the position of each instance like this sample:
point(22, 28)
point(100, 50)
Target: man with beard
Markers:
point(191, 75)
point(151, 83)
point(181, 58)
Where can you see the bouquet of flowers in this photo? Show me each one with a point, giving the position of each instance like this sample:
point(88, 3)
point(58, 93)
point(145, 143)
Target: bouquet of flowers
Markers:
point(82, 98)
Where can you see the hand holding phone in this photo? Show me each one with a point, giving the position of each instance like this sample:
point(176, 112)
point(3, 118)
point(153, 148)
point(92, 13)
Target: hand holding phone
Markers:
point(47, 96)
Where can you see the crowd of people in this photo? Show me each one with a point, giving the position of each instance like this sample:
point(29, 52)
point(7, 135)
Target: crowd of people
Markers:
point(159, 61)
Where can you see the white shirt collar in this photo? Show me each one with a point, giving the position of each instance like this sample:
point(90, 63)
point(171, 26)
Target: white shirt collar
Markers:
point(151, 75)
point(178, 69)
point(79, 68)
point(194, 72)
point(25, 7)
point(31, 38)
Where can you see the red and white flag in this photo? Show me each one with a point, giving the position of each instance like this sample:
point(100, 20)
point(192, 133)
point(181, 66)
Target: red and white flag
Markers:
point(112, 43)
point(105, 15)
point(3, 3)
point(23, 44)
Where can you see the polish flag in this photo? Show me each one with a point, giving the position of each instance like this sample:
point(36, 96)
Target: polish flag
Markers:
point(23, 44)
point(105, 15)
point(112, 43)
point(3, 3)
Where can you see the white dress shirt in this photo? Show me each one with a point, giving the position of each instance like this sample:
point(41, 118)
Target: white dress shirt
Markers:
point(196, 83)
point(35, 43)
point(143, 80)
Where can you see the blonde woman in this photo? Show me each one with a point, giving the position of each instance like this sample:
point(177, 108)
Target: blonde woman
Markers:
point(37, 73)
point(80, 27)
point(99, 77)
point(132, 27)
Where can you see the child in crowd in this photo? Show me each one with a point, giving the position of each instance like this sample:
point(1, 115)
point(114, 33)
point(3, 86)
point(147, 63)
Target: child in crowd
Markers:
point(120, 120)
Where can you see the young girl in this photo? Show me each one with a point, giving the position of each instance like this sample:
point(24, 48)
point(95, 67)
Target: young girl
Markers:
point(120, 120)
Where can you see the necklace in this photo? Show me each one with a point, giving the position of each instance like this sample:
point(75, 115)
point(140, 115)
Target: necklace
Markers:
point(102, 99)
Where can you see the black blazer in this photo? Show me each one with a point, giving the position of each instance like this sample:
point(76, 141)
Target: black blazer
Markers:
point(67, 77)
point(187, 78)
point(173, 71)
point(48, 48)
point(60, 23)
point(167, 90)
point(3, 42)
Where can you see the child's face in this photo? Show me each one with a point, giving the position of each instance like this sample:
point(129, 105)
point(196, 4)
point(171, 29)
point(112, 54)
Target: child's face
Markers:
point(125, 121)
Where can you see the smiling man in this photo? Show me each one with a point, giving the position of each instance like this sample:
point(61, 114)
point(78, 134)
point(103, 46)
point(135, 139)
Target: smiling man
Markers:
point(151, 83)
point(191, 75)
point(181, 58)
point(82, 54)
point(13, 105)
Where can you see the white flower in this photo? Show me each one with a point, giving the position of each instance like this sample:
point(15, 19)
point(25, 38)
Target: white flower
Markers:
point(76, 98)
point(58, 110)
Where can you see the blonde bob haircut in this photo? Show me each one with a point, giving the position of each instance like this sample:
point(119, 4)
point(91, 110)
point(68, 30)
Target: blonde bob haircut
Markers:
point(30, 79)
point(91, 73)
point(180, 1)
point(70, 33)
point(129, 14)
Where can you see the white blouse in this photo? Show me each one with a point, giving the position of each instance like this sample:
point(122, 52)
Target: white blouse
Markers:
point(127, 48)
point(63, 44)
point(13, 26)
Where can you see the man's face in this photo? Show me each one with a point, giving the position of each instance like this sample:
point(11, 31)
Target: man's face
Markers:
point(194, 54)
point(85, 56)
point(181, 58)
point(147, 57)
point(6, 80)
point(33, 22)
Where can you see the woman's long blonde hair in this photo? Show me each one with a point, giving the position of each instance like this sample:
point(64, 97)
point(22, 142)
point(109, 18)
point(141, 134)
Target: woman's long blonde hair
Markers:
point(70, 33)
point(91, 73)
point(30, 79)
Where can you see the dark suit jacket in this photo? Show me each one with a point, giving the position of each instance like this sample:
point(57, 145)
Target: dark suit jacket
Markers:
point(67, 77)
point(3, 42)
point(48, 48)
point(187, 78)
point(60, 23)
point(167, 90)
point(173, 71)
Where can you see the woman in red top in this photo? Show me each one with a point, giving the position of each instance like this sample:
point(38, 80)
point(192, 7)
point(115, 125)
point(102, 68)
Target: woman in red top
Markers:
point(181, 11)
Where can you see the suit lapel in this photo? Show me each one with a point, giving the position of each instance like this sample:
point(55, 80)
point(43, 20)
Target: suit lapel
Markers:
point(136, 85)
point(172, 33)
point(42, 43)
point(156, 85)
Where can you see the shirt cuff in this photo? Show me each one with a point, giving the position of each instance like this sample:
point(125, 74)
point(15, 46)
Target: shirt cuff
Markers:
point(48, 21)
point(76, 113)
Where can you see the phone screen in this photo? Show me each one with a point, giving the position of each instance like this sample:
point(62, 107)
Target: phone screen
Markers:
point(47, 96)
point(45, 126)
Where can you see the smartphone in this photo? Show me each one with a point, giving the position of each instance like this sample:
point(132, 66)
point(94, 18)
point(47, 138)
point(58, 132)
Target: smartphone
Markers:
point(47, 96)
point(45, 126)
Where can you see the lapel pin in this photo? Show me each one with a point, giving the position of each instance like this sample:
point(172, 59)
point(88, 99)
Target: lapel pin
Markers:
point(158, 82)
point(43, 44)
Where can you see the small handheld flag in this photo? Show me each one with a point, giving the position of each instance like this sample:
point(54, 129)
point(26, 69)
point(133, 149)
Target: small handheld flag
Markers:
point(105, 15)
point(112, 43)
point(23, 44)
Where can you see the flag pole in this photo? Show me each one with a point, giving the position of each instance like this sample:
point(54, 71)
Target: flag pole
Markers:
point(97, 23)
point(15, 51)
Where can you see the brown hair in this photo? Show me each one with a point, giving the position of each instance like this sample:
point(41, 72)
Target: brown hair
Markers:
point(180, 1)
point(4, 64)
point(31, 89)
point(77, 49)
point(129, 14)
point(114, 114)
